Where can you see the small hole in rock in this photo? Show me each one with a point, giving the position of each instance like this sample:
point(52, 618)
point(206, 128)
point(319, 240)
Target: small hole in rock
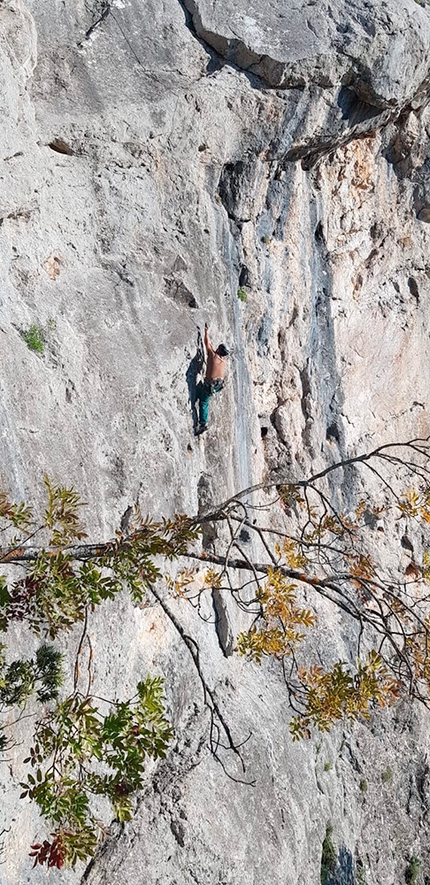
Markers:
point(264, 432)
point(319, 233)
point(333, 432)
point(244, 277)
point(413, 288)
point(61, 146)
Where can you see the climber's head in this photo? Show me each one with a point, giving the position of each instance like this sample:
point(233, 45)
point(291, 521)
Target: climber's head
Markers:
point(222, 350)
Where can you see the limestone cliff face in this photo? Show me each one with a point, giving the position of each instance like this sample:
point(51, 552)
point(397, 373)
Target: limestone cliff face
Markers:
point(156, 158)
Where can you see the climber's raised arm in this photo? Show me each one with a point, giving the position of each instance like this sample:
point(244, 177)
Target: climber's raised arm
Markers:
point(208, 343)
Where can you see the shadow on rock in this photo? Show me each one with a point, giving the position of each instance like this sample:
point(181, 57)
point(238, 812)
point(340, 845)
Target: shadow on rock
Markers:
point(195, 368)
point(343, 874)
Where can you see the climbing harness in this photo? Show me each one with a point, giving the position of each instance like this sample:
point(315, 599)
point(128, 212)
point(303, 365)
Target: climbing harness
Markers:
point(213, 386)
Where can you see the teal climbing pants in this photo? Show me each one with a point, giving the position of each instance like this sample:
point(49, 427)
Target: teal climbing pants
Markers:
point(204, 391)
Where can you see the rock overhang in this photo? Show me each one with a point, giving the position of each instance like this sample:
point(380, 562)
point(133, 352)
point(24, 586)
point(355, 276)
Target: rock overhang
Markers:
point(379, 51)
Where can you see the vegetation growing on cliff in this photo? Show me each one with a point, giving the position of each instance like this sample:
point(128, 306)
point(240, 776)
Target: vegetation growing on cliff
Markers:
point(33, 338)
point(85, 747)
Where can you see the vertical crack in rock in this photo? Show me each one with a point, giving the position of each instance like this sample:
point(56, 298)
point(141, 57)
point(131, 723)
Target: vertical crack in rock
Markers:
point(101, 14)
point(306, 405)
point(321, 381)
point(323, 374)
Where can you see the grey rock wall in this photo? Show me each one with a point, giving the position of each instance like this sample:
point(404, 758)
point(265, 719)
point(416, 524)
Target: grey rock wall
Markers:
point(155, 158)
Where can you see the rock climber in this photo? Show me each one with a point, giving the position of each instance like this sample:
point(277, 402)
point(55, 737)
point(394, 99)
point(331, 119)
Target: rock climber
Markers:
point(214, 379)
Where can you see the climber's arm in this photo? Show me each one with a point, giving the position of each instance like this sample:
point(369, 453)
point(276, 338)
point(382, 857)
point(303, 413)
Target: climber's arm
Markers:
point(208, 344)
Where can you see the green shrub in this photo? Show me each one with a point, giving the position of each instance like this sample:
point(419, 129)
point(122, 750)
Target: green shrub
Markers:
point(327, 766)
point(242, 296)
point(387, 775)
point(412, 870)
point(363, 785)
point(33, 337)
point(328, 856)
point(361, 875)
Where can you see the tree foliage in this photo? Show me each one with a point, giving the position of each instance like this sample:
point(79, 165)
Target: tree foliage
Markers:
point(79, 751)
point(277, 562)
point(321, 549)
point(68, 741)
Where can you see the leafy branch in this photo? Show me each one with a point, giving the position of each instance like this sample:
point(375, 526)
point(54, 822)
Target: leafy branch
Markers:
point(73, 744)
point(308, 548)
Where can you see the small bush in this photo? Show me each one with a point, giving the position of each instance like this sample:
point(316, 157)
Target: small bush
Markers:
point(242, 296)
point(361, 875)
point(328, 856)
point(327, 766)
point(412, 870)
point(266, 240)
point(363, 785)
point(387, 775)
point(33, 337)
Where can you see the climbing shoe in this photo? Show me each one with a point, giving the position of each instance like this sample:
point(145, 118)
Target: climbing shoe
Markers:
point(201, 429)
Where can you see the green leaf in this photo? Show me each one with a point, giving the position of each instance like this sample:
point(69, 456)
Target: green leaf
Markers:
point(4, 592)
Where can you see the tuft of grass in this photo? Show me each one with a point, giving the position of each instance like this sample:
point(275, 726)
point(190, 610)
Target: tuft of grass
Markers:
point(387, 775)
point(33, 337)
point(363, 785)
point(327, 766)
point(412, 870)
point(328, 856)
point(242, 296)
point(361, 875)
point(266, 240)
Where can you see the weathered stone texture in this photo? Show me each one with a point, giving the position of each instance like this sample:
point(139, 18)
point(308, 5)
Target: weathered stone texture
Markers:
point(154, 159)
point(378, 50)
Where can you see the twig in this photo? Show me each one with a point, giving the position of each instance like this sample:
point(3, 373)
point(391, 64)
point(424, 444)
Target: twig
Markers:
point(216, 716)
